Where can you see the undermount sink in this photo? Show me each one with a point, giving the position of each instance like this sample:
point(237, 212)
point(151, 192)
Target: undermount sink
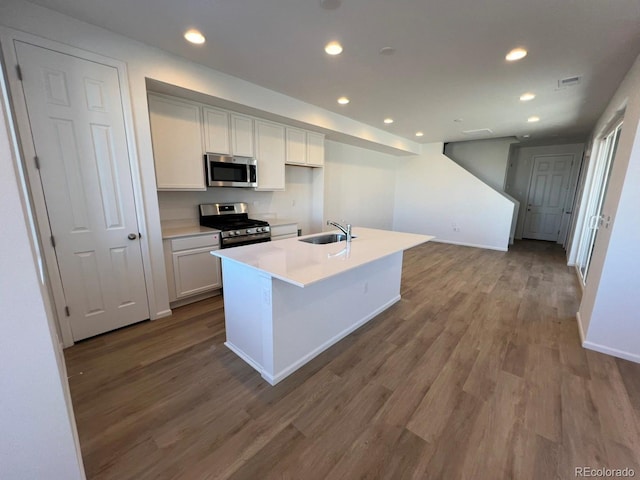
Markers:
point(326, 238)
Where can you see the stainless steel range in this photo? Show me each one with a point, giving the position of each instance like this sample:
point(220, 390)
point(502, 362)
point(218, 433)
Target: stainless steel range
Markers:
point(234, 223)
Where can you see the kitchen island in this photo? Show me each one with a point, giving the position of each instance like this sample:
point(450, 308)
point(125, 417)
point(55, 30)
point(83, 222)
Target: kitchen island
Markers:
point(285, 302)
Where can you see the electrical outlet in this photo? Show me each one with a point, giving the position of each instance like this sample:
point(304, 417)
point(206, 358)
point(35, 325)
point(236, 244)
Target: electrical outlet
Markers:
point(455, 227)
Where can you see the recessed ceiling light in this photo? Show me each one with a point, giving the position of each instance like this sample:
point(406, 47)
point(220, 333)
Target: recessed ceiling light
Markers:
point(533, 119)
point(525, 97)
point(419, 134)
point(333, 48)
point(343, 100)
point(194, 36)
point(387, 51)
point(526, 136)
point(516, 54)
point(388, 120)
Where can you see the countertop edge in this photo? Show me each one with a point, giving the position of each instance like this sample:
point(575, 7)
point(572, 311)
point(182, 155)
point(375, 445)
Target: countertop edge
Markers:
point(424, 239)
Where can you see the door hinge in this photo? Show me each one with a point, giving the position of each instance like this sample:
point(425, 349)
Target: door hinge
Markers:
point(36, 159)
point(19, 72)
point(53, 242)
point(66, 310)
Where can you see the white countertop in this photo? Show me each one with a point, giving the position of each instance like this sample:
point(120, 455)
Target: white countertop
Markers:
point(185, 231)
point(302, 264)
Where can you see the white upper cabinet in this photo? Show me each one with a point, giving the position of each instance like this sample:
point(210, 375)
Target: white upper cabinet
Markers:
point(304, 148)
point(176, 131)
point(270, 153)
point(242, 135)
point(296, 146)
point(216, 130)
point(315, 149)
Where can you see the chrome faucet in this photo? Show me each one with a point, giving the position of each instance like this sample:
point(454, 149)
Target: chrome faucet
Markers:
point(346, 231)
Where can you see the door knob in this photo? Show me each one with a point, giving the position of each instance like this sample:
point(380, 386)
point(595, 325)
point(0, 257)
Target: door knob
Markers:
point(132, 236)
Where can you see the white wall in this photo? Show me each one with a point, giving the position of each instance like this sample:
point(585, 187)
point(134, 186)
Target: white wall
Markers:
point(359, 186)
point(486, 159)
point(295, 203)
point(38, 437)
point(433, 193)
point(609, 313)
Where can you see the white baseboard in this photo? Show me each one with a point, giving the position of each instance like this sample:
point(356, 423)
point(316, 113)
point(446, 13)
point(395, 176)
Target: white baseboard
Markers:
point(245, 357)
point(273, 379)
point(162, 314)
point(632, 357)
point(474, 245)
point(596, 347)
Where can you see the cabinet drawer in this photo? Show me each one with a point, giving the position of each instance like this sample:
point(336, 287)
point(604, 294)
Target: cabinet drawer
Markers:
point(198, 241)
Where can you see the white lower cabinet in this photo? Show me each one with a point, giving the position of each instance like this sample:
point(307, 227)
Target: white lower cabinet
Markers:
point(192, 272)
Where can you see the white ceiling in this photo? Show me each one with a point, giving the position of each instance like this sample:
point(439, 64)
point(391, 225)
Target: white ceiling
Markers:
point(448, 64)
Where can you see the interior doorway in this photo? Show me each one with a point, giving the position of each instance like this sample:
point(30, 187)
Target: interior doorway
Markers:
point(544, 178)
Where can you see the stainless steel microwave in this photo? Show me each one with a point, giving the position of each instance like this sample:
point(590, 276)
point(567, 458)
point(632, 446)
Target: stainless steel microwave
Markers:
point(229, 171)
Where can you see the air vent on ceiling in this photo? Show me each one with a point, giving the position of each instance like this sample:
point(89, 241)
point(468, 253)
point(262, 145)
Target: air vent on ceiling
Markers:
point(569, 81)
point(478, 131)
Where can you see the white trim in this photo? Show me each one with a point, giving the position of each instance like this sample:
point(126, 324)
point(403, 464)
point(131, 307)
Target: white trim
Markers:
point(580, 329)
point(579, 275)
point(632, 357)
point(474, 245)
point(285, 372)
point(246, 358)
point(163, 313)
point(596, 347)
point(7, 38)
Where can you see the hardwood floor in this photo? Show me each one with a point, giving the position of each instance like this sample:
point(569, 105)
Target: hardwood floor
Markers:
point(477, 373)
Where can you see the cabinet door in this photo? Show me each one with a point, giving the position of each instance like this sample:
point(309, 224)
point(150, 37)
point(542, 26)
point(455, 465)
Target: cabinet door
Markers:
point(270, 153)
point(176, 133)
point(216, 130)
point(242, 135)
point(296, 146)
point(315, 149)
point(196, 271)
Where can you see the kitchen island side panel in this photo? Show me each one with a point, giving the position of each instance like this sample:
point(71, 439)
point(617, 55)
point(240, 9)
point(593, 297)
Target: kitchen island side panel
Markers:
point(307, 321)
point(246, 310)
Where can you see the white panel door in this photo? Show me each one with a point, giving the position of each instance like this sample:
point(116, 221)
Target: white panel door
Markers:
point(77, 124)
point(547, 195)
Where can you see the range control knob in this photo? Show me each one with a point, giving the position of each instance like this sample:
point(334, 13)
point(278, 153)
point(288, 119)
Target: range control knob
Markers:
point(237, 232)
point(259, 229)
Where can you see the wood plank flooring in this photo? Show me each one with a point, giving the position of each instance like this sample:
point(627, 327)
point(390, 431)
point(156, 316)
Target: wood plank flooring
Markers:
point(477, 373)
